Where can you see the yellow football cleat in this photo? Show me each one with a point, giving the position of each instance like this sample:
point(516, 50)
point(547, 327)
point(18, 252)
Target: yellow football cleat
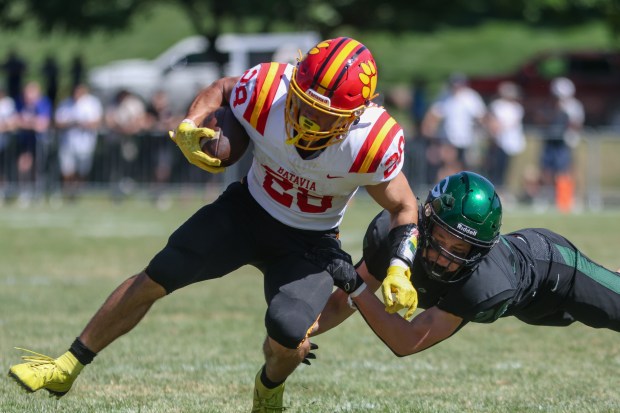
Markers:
point(267, 400)
point(43, 372)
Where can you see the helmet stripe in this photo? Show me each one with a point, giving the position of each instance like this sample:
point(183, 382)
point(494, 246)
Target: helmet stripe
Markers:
point(325, 65)
point(343, 72)
point(333, 67)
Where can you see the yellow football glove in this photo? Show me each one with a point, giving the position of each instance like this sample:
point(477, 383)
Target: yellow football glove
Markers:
point(187, 137)
point(405, 296)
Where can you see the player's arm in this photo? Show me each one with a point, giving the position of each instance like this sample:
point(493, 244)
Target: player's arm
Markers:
point(188, 134)
point(401, 336)
point(337, 308)
point(211, 98)
point(406, 337)
point(398, 199)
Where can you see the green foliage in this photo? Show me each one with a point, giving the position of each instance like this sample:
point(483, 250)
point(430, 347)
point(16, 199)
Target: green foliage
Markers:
point(208, 17)
point(199, 349)
point(71, 16)
point(488, 48)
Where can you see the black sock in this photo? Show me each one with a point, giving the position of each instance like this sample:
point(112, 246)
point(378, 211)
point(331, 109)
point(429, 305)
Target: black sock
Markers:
point(268, 383)
point(81, 352)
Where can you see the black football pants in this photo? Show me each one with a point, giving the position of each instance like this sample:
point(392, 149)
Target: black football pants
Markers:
point(234, 231)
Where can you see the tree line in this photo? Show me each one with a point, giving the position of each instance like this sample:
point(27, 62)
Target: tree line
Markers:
point(208, 17)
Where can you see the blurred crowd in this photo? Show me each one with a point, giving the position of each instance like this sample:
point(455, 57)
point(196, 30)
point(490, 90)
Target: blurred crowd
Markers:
point(459, 131)
point(51, 145)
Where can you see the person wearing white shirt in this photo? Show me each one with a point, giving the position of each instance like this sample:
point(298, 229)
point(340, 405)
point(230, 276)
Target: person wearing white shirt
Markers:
point(453, 119)
point(8, 123)
point(505, 126)
point(78, 119)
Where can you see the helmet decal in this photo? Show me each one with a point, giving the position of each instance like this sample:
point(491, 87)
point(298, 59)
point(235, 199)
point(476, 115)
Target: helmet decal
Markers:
point(316, 49)
point(316, 95)
point(468, 230)
point(440, 188)
point(443, 199)
point(369, 79)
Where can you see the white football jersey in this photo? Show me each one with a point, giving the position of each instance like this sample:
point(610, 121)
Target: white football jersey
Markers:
point(310, 193)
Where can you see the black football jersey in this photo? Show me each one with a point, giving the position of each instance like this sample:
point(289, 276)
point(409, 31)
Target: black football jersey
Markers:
point(505, 282)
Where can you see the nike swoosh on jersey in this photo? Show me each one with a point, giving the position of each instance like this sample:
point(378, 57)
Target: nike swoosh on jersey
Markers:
point(557, 283)
point(333, 176)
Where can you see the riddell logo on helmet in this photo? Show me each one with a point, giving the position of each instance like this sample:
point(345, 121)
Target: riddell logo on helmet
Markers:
point(466, 229)
point(317, 96)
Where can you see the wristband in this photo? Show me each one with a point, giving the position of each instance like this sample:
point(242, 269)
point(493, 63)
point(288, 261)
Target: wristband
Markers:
point(354, 294)
point(398, 263)
point(191, 122)
point(358, 291)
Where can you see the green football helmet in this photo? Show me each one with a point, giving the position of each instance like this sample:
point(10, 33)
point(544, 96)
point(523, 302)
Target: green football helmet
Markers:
point(465, 205)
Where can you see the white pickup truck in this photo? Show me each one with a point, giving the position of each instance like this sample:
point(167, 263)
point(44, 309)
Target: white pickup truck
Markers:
point(185, 67)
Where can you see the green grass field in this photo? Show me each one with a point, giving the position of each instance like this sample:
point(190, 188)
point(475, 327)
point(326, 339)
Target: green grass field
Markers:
point(199, 349)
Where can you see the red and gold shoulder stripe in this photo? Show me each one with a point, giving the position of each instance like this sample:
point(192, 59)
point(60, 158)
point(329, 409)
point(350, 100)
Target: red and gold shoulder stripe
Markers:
point(376, 144)
point(263, 95)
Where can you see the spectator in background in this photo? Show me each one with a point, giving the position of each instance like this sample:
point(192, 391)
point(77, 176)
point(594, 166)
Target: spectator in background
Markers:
point(77, 70)
point(14, 68)
point(419, 102)
point(8, 124)
point(505, 127)
point(78, 119)
point(453, 119)
point(160, 119)
point(418, 147)
point(33, 142)
point(125, 118)
point(50, 72)
point(563, 123)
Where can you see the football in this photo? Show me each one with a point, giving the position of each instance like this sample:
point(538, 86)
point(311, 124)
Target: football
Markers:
point(232, 140)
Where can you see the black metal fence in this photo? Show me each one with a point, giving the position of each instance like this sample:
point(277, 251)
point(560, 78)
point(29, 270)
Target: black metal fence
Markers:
point(151, 162)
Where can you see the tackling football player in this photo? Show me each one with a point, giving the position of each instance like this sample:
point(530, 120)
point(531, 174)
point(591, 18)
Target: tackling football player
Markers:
point(317, 138)
point(465, 271)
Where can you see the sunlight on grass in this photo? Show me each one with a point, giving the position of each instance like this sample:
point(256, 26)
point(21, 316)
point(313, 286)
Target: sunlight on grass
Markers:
point(199, 348)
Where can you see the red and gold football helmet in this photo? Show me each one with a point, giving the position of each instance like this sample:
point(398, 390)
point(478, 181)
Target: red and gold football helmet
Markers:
point(329, 90)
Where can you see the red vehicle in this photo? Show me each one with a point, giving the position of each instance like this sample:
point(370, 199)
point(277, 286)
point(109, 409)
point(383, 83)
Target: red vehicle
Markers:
point(596, 75)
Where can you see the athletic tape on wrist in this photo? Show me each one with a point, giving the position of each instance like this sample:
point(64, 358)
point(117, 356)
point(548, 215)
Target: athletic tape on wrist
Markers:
point(404, 242)
point(354, 294)
point(358, 291)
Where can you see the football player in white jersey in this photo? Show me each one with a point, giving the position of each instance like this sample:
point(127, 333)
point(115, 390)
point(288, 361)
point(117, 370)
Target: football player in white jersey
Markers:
point(317, 138)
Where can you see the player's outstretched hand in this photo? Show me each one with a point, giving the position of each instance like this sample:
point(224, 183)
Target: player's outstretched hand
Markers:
point(398, 291)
